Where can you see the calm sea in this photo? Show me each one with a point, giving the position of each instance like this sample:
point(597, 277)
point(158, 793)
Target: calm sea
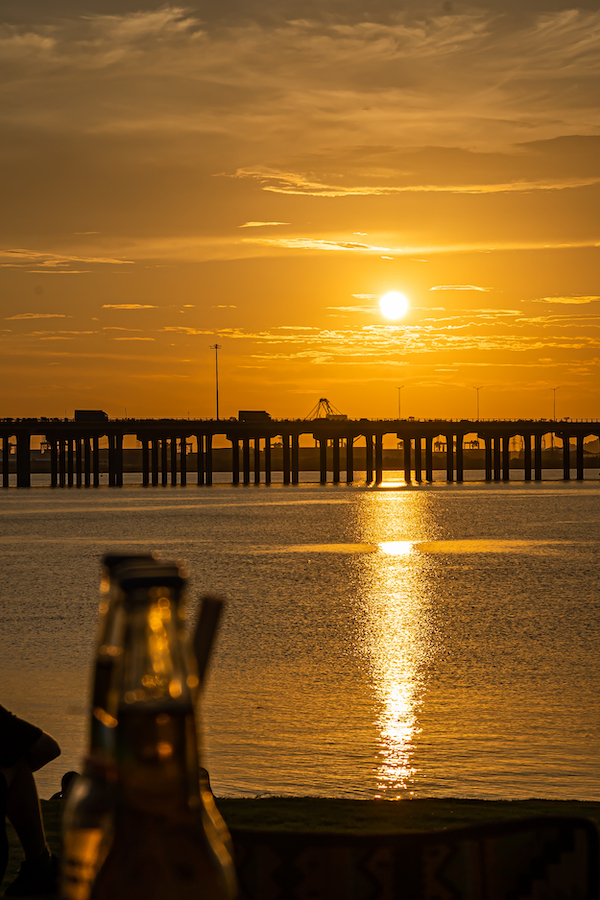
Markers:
point(378, 642)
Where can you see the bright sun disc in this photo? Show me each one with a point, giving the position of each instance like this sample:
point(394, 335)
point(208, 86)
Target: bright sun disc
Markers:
point(393, 305)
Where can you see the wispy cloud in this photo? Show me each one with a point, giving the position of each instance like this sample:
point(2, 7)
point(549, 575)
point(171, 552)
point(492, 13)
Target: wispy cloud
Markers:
point(260, 224)
point(567, 301)
point(128, 306)
point(459, 287)
point(37, 316)
point(133, 339)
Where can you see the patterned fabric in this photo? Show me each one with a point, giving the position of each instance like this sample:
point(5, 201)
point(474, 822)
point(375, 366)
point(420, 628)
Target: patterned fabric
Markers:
point(528, 859)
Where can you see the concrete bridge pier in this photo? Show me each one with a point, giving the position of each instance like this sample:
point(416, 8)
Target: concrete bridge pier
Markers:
point(53, 462)
point(173, 442)
point(566, 454)
point(497, 459)
point(295, 458)
point(5, 461)
point(323, 459)
point(70, 462)
point(256, 460)
point(246, 459)
point(349, 459)
point(488, 458)
point(78, 462)
point(579, 453)
point(87, 461)
point(183, 460)
point(62, 462)
point(208, 458)
point(154, 454)
point(460, 467)
point(95, 447)
point(285, 457)
point(429, 459)
point(527, 457)
point(505, 458)
point(538, 457)
point(418, 465)
point(268, 465)
point(336, 460)
point(145, 461)
point(450, 457)
point(235, 461)
point(23, 460)
point(378, 458)
point(407, 459)
point(164, 455)
point(369, 458)
point(200, 464)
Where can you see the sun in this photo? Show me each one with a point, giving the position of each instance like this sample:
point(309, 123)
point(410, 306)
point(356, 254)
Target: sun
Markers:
point(393, 305)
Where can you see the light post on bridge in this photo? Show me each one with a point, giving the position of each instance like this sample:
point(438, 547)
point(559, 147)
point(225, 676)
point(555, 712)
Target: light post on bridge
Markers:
point(400, 401)
point(554, 390)
point(478, 389)
point(216, 348)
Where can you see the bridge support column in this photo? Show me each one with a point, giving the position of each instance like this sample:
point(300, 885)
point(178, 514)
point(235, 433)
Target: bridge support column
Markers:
point(505, 458)
point(70, 462)
point(145, 463)
point(173, 461)
point(295, 438)
point(235, 461)
point(87, 461)
point(119, 460)
point(200, 467)
point(5, 461)
point(407, 458)
point(349, 459)
point(78, 462)
point(285, 457)
point(209, 459)
point(154, 445)
point(268, 459)
point(538, 457)
point(566, 457)
point(183, 460)
point(429, 459)
point(256, 460)
point(23, 460)
point(163, 460)
point(527, 457)
point(418, 464)
point(53, 462)
point(488, 458)
point(449, 457)
point(95, 447)
point(460, 465)
point(497, 459)
point(336, 460)
point(580, 472)
point(369, 458)
point(378, 458)
point(246, 459)
point(62, 462)
point(323, 459)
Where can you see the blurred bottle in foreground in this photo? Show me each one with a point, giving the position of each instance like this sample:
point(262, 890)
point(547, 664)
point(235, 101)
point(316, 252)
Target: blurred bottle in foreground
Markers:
point(88, 813)
point(165, 844)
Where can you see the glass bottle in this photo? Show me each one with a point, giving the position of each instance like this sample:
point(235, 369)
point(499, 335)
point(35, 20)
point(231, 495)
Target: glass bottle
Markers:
point(89, 810)
point(164, 843)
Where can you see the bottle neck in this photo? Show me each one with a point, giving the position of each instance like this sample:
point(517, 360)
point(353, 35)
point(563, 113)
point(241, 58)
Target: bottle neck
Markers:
point(156, 750)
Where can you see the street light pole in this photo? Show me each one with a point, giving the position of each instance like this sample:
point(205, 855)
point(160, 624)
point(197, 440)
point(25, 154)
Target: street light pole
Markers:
point(478, 389)
point(400, 401)
point(554, 390)
point(216, 348)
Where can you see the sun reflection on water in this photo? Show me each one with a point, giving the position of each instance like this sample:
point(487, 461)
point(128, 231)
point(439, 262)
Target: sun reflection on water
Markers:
point(397, 634)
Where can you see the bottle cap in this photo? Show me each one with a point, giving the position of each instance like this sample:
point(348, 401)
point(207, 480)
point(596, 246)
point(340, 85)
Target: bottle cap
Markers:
point(138, 575)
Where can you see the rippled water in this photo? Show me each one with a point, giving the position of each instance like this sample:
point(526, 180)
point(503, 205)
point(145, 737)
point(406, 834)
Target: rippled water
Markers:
point(377, 642)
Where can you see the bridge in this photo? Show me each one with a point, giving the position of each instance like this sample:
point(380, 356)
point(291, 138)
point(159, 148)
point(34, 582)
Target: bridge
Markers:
point(260, 445)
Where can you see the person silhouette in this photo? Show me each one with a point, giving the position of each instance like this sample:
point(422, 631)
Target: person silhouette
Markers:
point(65, 783)
point(25, 748)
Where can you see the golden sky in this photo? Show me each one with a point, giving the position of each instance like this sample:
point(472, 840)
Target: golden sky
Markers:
point(258, 175)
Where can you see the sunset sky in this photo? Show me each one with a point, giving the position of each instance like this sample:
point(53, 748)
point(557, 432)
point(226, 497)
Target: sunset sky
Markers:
point(259, 174)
